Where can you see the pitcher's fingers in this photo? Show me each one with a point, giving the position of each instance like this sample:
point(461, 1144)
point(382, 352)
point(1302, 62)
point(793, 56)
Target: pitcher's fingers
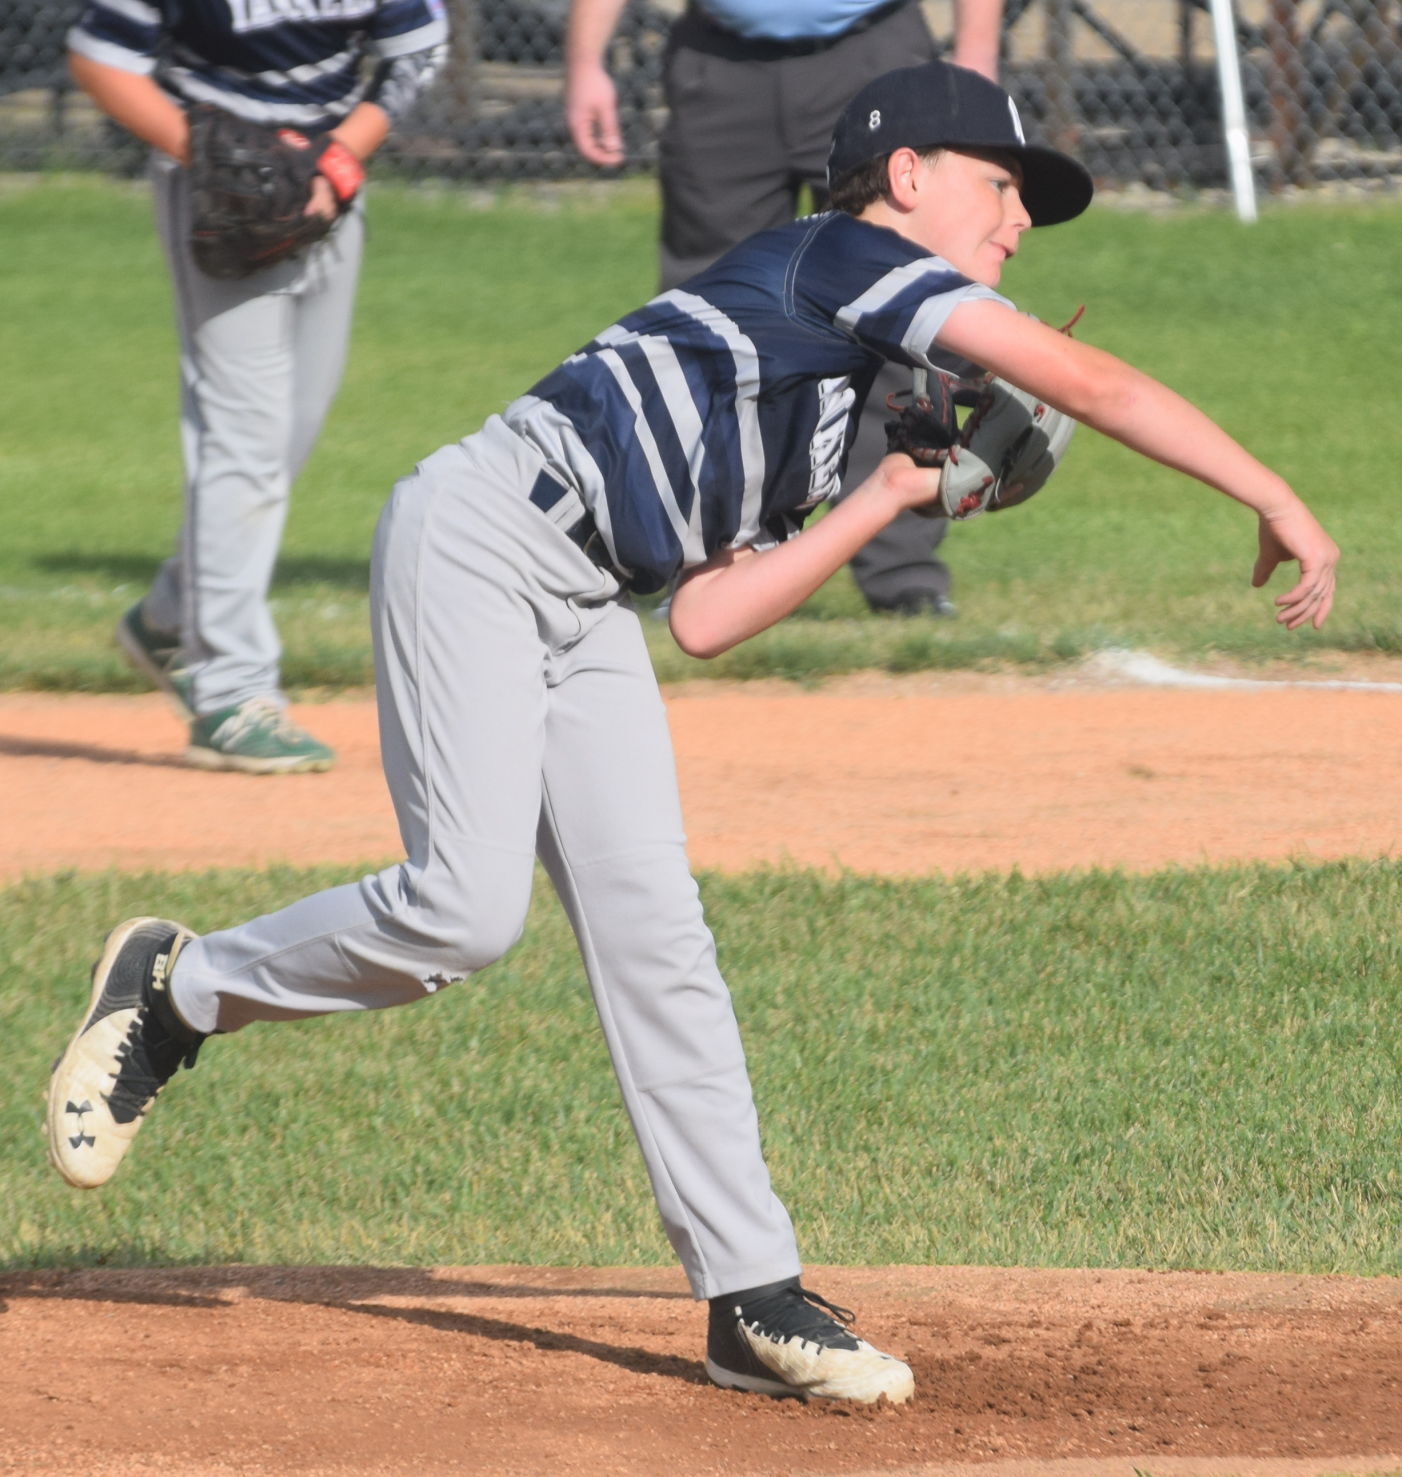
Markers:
point(1311, 600)
point(1294, 613)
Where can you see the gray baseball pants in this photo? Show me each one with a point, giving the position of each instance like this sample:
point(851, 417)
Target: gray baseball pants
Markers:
point(260, 362)
point(519, 715)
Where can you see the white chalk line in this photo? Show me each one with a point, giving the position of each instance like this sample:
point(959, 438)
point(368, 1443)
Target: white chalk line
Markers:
point(1124, 665)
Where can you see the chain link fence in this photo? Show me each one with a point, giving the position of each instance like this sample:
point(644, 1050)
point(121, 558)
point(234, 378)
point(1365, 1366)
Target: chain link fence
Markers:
point(1130, 86)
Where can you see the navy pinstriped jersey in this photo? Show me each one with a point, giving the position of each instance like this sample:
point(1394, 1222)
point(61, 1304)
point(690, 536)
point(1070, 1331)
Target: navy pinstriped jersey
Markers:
point(293, 62)
point(720, 414)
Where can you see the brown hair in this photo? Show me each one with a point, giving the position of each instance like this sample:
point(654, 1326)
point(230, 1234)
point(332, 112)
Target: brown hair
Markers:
point(869, 182)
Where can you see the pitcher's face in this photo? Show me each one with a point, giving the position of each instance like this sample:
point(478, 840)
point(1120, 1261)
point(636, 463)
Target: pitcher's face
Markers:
point(968, 210)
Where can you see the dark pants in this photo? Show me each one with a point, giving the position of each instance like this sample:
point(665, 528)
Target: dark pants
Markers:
point(749, 125)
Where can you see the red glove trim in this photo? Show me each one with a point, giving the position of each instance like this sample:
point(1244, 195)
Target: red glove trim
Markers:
point(343, 169)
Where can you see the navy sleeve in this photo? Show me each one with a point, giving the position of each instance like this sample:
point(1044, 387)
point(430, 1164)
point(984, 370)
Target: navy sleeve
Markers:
point(881, 289)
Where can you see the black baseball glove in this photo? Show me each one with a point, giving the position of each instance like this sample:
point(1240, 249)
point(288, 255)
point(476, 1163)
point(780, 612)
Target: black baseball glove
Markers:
point(926, 426)
point(251, 184)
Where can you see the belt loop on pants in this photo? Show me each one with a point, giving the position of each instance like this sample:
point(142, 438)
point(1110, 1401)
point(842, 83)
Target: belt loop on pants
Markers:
point(565, 509)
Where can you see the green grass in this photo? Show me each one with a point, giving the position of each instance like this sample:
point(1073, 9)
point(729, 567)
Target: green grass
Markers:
point(1184, 1070)
point(1284, 331)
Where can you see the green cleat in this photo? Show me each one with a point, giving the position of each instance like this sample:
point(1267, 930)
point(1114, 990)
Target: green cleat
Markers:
point(256, 737)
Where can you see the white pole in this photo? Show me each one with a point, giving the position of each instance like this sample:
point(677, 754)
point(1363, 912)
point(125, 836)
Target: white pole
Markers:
point(1233, 109)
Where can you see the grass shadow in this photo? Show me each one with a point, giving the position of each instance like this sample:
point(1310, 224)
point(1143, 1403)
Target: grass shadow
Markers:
point(139, 569)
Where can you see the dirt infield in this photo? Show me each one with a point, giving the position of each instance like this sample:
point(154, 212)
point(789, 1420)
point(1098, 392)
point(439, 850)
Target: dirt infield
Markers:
point(523, 1371)
point(887, 775)
point(530, 1372)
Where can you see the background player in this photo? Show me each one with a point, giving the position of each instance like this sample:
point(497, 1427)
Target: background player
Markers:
point(260, 358)
point(754, 89)
point(519, 713)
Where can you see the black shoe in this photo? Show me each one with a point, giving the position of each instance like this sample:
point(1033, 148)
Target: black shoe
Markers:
point(918, 602)
point(784, 1340)
point(128, 1047)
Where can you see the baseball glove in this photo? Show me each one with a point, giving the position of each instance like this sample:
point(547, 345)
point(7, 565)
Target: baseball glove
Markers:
point(251, 184)
point(1005, 451)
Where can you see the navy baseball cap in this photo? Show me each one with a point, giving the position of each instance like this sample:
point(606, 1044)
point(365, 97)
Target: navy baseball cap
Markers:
point(941, 105)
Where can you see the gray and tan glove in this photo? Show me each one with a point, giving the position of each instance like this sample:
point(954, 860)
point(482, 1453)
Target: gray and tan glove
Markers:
point(1003, 453)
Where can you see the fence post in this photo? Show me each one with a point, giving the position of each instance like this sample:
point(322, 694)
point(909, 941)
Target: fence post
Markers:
point(1289, 134)
point(459, 80)
point(1186, 13)
point(1061, 106)
point(1236, 136)
point(1375, 36)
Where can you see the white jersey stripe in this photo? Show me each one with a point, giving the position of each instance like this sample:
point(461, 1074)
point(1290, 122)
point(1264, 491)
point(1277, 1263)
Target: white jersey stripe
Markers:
point(108, 54)
point(928, 318)
point(891, 285)
point(676, 394)
point(647, 442)
point(747, 384)
point(835, 400)
point(310, 72)
point(197, 90)
point(425, 38)
point(306, 63)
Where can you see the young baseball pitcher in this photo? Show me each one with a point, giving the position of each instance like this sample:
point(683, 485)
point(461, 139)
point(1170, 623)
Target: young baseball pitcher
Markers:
point(519, 714)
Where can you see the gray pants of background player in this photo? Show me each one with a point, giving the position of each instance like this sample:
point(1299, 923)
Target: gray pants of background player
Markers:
point(519, 714)
point(750, 123)
point(260, 361)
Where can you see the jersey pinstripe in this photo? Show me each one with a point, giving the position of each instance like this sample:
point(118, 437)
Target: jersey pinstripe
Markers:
point(295, 62)
point(720, 414)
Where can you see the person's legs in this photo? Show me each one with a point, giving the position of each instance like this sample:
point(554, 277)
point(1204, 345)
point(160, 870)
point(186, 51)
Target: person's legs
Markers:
point(321, 331)
point(514, 714)
point(518, 709)
point(515, 711)
point(463, 630)
point(611, 839)
point(260, 362)
point(722, 168)
point(236, 414)
point(463, 622)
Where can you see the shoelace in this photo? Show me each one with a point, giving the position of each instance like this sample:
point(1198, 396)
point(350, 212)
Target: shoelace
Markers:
point(259, 712)
point(149, 1058)
point(794, 1312)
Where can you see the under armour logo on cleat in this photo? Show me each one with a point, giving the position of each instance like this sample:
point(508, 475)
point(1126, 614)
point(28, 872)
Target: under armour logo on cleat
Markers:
point(80, 1139)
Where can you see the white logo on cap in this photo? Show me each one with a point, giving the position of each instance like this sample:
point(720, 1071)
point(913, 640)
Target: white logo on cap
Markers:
point(1017, 122)
point(874, 121)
